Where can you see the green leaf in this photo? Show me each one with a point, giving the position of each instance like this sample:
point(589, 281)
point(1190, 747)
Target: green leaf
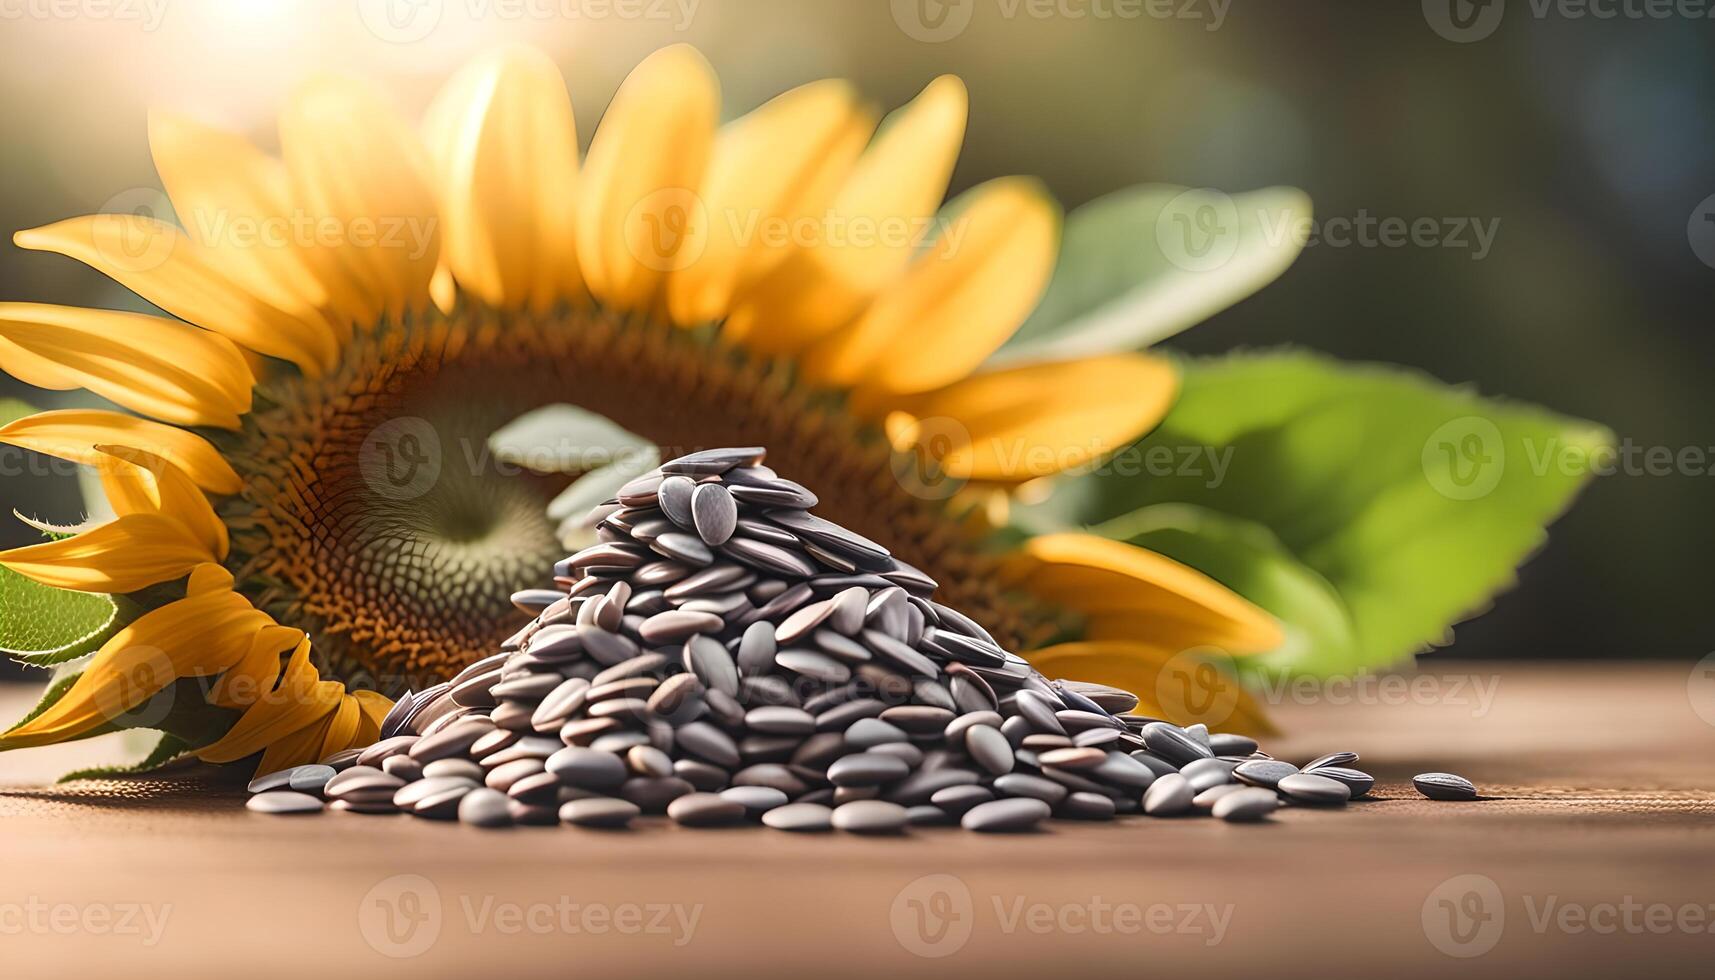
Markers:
point(563, 439)
point(1142, 264)
point(1249, 559)
point(1414, 501)
point(11, 409)
point(65, 675)
point(41, 626)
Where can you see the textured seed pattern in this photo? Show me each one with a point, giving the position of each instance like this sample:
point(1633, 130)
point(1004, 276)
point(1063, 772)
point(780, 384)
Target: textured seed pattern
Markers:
point(724, 656)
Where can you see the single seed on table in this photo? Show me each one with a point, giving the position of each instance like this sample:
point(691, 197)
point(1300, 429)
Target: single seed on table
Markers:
point(1245, 805)
point(756, 800)
point(1307, 787)
point(485, 808)
point(283, 801)
point(1088, 806)
point(869, 817)
point(1444, 786)
point(1359, 782)
point(600, 811)
point(1169, 796)
point(1010, 815)
point(704, 810)
point(800, 818)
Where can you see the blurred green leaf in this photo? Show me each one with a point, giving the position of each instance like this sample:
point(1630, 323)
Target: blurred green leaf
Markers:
point(168, 748)
point(11, 409)
point(42, 626)
point(1142, 264)
point(1412, 500)
point(563, 439)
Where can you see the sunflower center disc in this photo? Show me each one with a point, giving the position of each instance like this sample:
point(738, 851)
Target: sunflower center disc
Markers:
point(375, 515)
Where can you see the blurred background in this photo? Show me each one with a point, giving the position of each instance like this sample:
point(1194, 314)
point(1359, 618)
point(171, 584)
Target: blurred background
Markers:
point(1585, 144)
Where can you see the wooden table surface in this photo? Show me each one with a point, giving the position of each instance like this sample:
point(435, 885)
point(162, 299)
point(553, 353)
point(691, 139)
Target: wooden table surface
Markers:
point(1593, 854)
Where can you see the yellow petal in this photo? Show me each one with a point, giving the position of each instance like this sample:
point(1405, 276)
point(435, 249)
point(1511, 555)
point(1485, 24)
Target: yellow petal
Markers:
point(772, 170)
point(73, 433)
point(123, 555)
point(172, 371)
point(1181, 687)
point(235, 204)
point(300, 699)
point(1096, 575)
point(139, 482)
point(157, 262)
point(343, 724)
point(876, 220)
point(297, 749)
point(637, 209)
point(360, 171)
point(372, 711)
point(256, 673)
point(1018, 424)
point(959, 300)
point(504, 146)
point(191, 637)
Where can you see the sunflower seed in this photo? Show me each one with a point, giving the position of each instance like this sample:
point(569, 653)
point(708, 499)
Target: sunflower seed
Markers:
point(1331, 759)
point(800, 818)
point(1264, 772)
point(1360, 783)
point(869, 817)
point(714, 513)
point(280, 801)
point(599, 811)
point(712, 462)
point(1306, 787)
point(1245, 805)
point(704, 810)
point(1444, 786)
point(1168, 796)
point(1005, 816)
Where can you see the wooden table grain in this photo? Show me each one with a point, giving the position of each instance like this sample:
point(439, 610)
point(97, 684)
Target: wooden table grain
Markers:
point(1592, 854)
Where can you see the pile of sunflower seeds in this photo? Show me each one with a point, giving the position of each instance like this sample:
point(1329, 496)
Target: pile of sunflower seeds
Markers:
point(722, 655)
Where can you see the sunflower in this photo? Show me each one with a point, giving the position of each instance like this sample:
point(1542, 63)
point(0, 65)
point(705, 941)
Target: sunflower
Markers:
point(788, 279)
